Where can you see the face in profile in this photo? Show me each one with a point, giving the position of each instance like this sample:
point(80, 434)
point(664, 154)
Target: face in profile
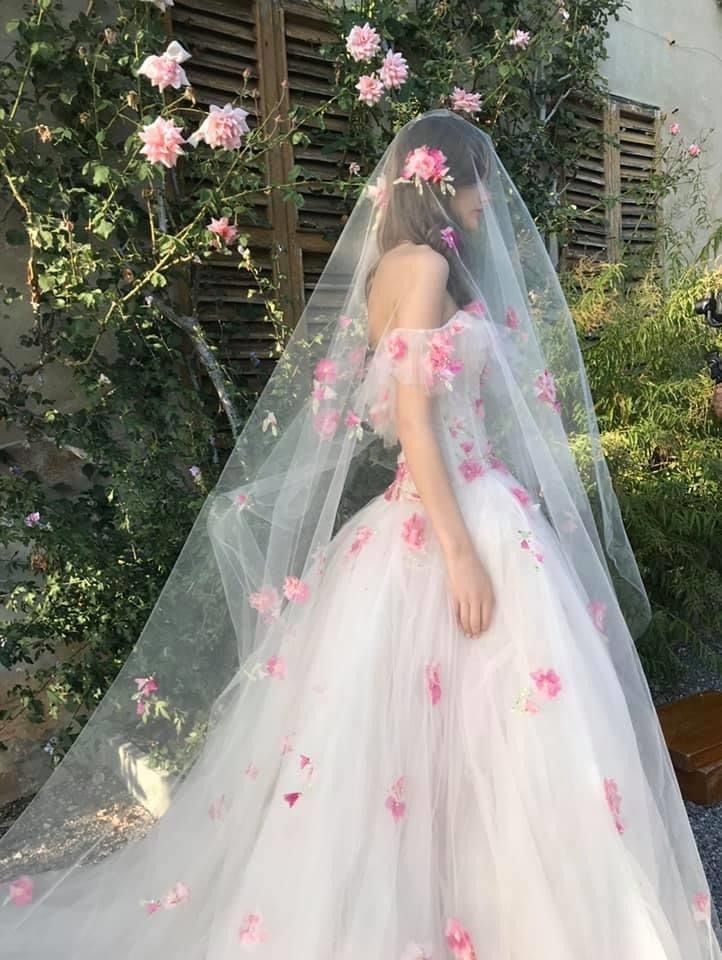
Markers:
point(467, 206)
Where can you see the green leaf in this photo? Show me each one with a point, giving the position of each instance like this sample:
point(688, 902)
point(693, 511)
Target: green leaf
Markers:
point(104, 228)
point(11, 26)
point(101, 174)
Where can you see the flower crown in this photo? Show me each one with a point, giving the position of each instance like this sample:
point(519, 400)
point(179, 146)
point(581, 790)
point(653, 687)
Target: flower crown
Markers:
point(427, 165)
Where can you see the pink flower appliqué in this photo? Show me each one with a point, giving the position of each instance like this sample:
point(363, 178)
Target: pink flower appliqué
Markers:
point(465, 101)
point(217, 808)
point(471, 468)
point(397, 347)
point(295, 590)
point(440, 365)
point(276, 667)
point(527, 544)
point(701, 905)
point(512, 319)
point(458, 940)
point(598, 612)
point(413, 532)
point(394, 802)
point(162, 142)
point(402, 486)
point(251, 772)
point(146, 685)
point(362, 536)
point(178, 894)
point(251, 932)
point(433, 682)
point(151, 906)
point(362, 43)
point(266, 601)
point(325, 370)
point(20, 891)
point(546, 390)
point(547, 682)
point(520, 494)
point(326, 422)
point(292, 798)
point(166, 70)
point(614, 802)
point(222, 128)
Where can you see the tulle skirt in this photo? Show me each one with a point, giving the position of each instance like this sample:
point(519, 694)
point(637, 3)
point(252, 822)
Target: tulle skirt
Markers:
point(385, 787)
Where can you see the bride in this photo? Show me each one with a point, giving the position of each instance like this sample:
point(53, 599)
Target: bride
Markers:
point(401, 630)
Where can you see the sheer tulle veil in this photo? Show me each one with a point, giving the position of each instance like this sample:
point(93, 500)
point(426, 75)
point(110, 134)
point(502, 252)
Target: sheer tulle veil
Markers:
point(312, 452)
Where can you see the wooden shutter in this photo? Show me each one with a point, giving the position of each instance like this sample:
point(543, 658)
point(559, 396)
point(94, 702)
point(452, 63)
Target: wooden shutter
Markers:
point(608, 185)
point(279, 43)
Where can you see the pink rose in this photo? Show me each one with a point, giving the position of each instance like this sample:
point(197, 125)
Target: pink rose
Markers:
point(394, 70)
point(694, 150)
point(547, 682)
point(224, 230)
point(465, 101)
point(370, 89)
point(520, 39)
point(223, 127)
point(162, 142)
point(166, 70)
point(363, 43)
point(674, 129)
point(425, 163)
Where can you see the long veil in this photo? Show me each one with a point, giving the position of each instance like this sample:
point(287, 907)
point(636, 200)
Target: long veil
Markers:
point(315, 449)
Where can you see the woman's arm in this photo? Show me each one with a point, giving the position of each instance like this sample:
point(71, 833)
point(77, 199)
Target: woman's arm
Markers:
point(421, 307)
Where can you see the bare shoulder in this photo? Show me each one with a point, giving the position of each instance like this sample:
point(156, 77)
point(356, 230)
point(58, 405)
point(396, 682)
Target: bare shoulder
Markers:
point(419, 258)
point(409, 289)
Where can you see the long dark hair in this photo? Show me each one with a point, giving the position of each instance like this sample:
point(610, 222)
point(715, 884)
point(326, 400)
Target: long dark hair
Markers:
point(416, 217)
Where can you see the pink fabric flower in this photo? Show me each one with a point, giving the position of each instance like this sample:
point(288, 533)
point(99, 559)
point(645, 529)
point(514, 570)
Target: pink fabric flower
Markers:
point(276, 667)
point(413, 532)
point(425, 163)
point(352, 419)
point(547, 682)
point(433, 682)
point(217, 807)
point(397, 347)
point(701, 904)
point(363, 43)
point(394, 802)
point(178, 894)
point(439, 361)
point(598, 612)
point(467, 446)
point(241, 501)
point(477, 307)
point(295, 590)
point(166, 70)
point(162, 142)
point(21, 891)
point(694, 150)
point(140, 708)
point(325, 422)
point(251, 772)
point(378, 192)
point(292, 798)
point(465, 101)
point(546, 390)
point(370, 89)
point(448, 235)
point(521, 495)
point(224, 230)
point(402, 484)
point(146, 685)
point(344, 321)
point(394, 70)
point(286, 745)
point(471, 468)
point(614, 802)
point(152, 906)
point(223, 127)
point(674, 129)
point(520, 39)
point(459, 941)
point(266, 601)
point(512, 319)
point(251, 932)
point(362, 536)
point(325, 370)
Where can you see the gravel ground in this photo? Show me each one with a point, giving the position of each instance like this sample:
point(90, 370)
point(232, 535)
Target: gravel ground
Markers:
point(706, 822)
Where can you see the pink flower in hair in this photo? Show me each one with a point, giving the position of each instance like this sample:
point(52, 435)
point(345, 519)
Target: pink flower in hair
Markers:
point(224, 230)
point(251, 933)
point(162, 142)
point(465, 101)
point(425, 163)
point(370, 89)
point(363, 43)
point(21, 891)
point(448, 235)
point(413, 532)
point(295, 589)
point(394, 70)
point(166, 70)
point(546, 390)
point(433, 682)
point(326, 422)
point(222, 128)
point(459, 941)
point(397, 347)
point(325, 370)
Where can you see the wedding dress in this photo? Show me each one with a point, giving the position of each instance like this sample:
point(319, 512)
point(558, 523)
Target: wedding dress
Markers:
point(374, 783)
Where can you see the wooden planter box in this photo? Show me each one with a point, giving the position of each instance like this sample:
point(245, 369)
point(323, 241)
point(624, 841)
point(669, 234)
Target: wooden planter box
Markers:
point(693, 732)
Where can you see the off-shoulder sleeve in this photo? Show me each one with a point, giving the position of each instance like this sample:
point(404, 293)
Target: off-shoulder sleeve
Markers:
point(429, 359)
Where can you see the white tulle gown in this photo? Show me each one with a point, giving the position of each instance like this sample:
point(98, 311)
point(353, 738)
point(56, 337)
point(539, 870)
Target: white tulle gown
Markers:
point(386, 788)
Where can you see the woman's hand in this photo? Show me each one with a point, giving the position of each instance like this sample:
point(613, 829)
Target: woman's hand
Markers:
point(471, 591)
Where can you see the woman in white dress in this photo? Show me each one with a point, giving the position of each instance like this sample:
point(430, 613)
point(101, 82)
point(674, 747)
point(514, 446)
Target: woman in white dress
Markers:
point(426, 731)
